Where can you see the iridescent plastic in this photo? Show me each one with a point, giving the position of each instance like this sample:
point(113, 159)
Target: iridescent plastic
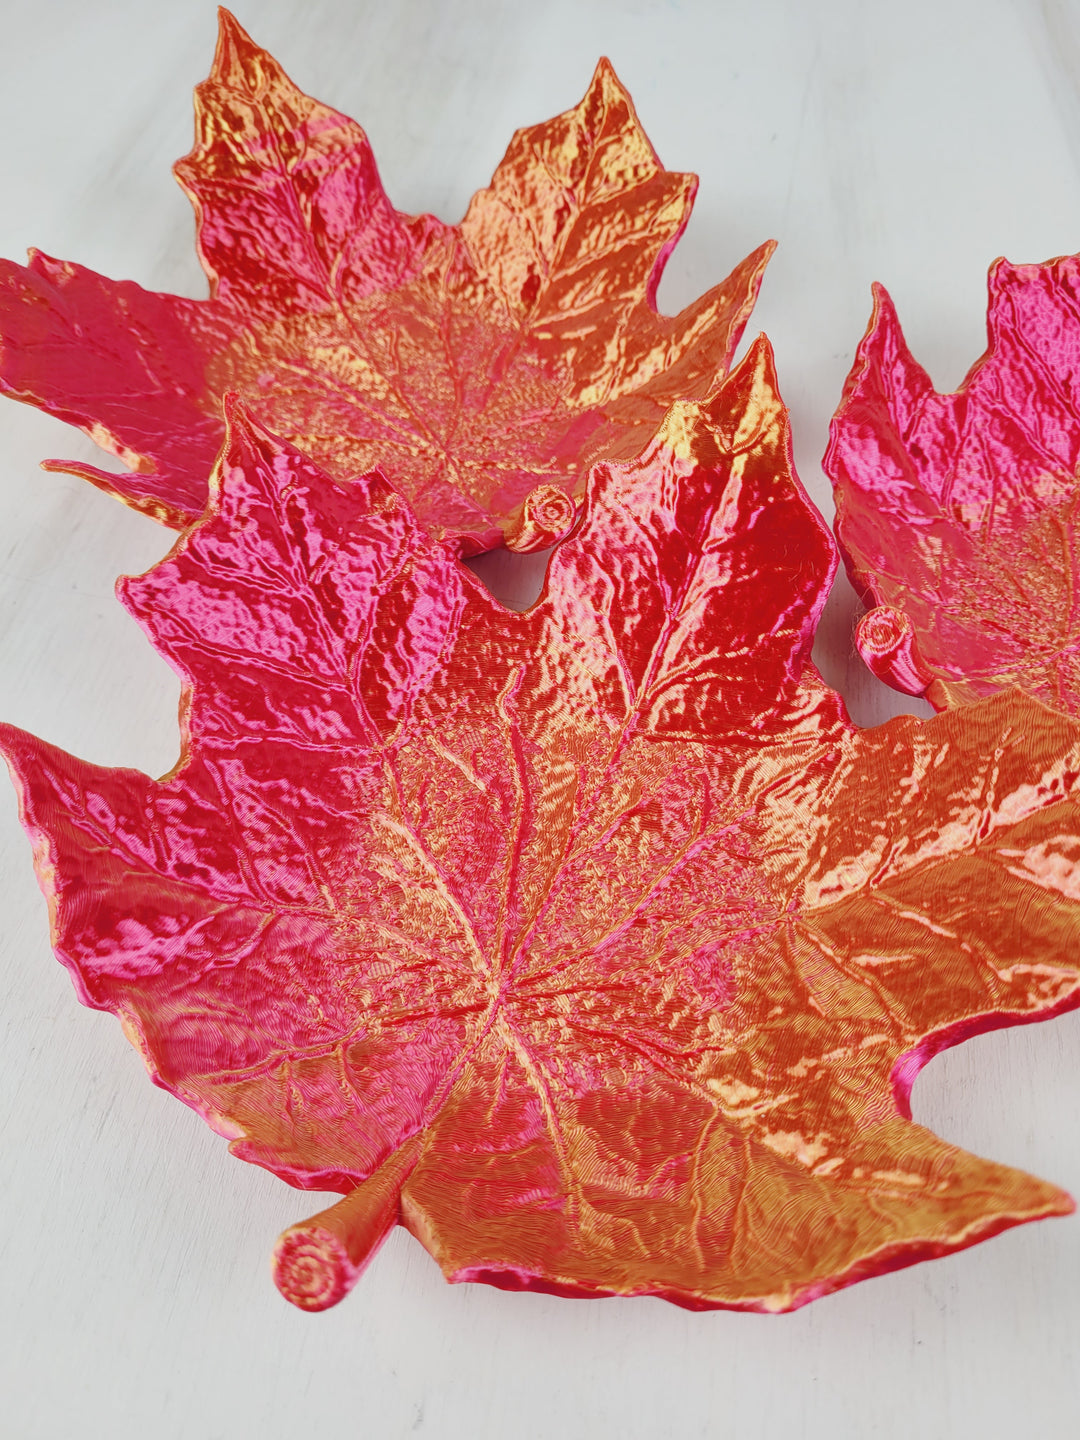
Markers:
point(472, 362)
point(958, 513)
point(593, 943)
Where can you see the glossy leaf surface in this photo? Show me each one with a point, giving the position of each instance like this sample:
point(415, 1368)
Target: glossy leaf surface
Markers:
point(597, 934)
point(958, 513)
point(473, 362)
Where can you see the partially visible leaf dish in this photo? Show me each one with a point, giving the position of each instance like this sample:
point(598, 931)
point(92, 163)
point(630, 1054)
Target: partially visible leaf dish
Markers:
point(958, 513)
point(593, 943)
point(473, 362)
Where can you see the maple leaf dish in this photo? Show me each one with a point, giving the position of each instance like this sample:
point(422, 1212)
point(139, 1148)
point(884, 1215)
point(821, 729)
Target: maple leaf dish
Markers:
point(592, 943)
point(957, 513)
point(474, 363)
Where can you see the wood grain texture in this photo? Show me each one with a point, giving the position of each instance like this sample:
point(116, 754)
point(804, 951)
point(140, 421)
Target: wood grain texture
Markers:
point(907, 144)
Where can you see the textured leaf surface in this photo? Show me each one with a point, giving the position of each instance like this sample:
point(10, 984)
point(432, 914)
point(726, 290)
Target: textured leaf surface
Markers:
point(596, 932)
point(473, 362)
point(959, 512)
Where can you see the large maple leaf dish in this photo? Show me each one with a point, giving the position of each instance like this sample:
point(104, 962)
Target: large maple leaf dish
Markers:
point(593, 943)
point(473, 362)
point(957, 513)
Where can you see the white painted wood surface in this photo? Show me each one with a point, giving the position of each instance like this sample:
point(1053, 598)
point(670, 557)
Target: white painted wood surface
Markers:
point(909, 142)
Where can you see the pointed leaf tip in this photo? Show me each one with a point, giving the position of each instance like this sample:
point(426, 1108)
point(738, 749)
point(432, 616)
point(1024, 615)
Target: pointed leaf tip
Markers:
point(233, 55)
point(240, 425)
point(232, 407)
point(604, 78)
point(245, 436)
point(231, 34)
point(606, 87)
point(754, 384)
point(758, 360)
point(884, 312)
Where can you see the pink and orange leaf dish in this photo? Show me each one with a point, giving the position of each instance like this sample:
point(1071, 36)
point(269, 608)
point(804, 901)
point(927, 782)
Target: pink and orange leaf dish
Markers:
point(957, 514)
point(473, 363)
point(593, 943)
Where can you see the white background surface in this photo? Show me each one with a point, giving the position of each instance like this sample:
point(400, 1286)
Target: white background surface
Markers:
point(907, 142)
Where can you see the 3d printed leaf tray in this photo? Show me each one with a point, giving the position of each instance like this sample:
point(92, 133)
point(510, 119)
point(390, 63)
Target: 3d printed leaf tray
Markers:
point(473, 362)
point(603, 913)
point(957, 513)
point(593, 943)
